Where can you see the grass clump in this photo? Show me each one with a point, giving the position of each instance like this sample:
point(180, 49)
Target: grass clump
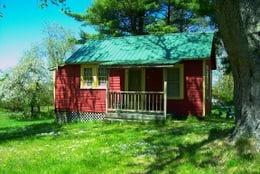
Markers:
point(246, 148)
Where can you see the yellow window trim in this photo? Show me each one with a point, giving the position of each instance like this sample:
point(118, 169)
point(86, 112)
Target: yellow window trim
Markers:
point(95, 83)
point(181, 75)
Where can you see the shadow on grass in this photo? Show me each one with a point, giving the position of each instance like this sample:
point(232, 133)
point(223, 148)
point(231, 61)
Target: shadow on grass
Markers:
point(16, 133)
point(183, 153)
point(218, 120)
point(40, 117)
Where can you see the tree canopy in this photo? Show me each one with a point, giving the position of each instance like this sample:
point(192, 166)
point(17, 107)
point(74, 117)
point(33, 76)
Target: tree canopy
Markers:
point(27, 85)
point(138, 17)
point(57, 44)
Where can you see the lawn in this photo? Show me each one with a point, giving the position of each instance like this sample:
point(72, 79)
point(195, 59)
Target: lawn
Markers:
point(187, 146)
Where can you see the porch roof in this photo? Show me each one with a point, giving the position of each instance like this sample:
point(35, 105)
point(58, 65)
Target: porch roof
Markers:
point(145, 50)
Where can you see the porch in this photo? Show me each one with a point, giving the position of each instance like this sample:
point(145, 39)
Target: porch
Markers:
point(138, 99)
point(144, 105)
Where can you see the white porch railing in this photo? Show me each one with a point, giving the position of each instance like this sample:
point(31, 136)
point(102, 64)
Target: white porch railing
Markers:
point(136, 101)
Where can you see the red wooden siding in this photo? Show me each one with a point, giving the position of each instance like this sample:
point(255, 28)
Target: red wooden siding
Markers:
point(69, 96)
point(116, 79)
point(193, 86)
point(193, 95)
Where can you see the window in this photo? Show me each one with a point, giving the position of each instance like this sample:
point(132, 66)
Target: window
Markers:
point(88, 77)
point(175, 82)
point(93, 76)
point(135, 79)
point(102, 76)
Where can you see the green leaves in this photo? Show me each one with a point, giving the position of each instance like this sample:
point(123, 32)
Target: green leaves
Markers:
point(224, 88)
point(116, 17)
point(161, 27)
point(57, 44)
point(138, 17)
point(27, 85)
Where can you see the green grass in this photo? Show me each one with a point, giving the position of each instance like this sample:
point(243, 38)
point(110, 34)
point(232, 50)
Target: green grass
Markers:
point(189, 146)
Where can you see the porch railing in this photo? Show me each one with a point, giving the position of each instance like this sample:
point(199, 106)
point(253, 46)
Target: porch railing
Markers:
point(136, 101)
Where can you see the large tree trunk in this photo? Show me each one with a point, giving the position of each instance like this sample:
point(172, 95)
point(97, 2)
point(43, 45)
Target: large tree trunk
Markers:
point(238, 26)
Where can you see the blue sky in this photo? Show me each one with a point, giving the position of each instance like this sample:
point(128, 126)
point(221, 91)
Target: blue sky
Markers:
point(23, 25)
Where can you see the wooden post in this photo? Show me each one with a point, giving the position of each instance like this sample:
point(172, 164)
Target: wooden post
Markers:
point(165, 97)
point(107, 95)
point(54, 88)
point(203, 89)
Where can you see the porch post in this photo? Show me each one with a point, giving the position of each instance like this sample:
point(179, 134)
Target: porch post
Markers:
point(165, 97)
point(107, 95)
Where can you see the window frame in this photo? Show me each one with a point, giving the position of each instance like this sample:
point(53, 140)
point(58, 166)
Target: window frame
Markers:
point(181, 83)
point(95, 77)
point(143, 74)
point(98, 77)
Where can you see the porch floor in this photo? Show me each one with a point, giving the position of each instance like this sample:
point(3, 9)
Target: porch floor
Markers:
point(135, 116)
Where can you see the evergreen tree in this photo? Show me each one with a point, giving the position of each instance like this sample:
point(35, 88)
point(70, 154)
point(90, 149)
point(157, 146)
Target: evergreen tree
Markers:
point(138, 17)
point(117, 17)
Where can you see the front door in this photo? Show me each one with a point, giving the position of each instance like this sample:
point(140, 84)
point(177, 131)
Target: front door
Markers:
point(135, 80)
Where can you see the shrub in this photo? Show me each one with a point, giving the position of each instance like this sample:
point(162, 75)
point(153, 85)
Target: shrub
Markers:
point(223, 90)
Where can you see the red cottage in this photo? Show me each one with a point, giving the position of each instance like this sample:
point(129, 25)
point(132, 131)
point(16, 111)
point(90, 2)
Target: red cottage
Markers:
point(137, 77)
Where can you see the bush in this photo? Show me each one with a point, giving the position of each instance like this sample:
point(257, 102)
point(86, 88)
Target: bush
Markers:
point(223, 90)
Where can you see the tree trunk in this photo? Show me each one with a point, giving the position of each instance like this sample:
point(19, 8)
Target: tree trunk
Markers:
point(32, 110)
point(133, 24)
point(169, 13)
point(33, 104)
point(141, 23)
point(238, 27)
point(182, 21)
point(38, 109)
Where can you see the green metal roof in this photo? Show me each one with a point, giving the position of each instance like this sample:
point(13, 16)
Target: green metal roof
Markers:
point(145, 50)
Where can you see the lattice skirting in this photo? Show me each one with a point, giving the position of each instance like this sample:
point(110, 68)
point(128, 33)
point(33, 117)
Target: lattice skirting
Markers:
point(65, 116)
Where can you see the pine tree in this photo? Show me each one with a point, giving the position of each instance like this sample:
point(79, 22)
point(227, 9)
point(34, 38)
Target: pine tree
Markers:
point(116, 17)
